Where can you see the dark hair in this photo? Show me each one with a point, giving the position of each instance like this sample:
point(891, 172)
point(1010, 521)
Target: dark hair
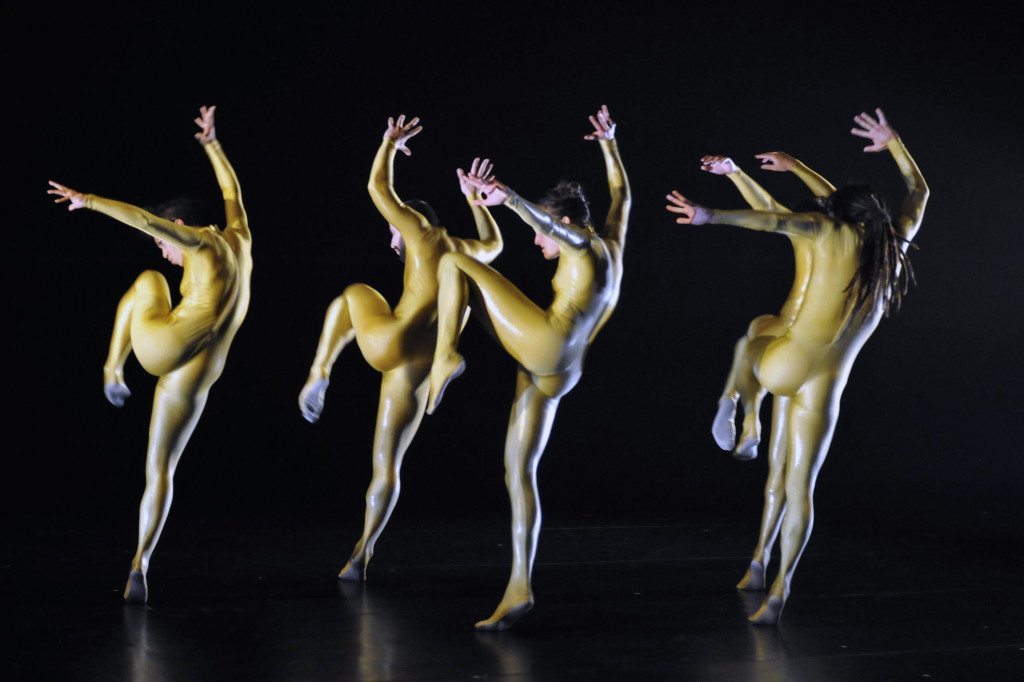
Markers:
point(566, 199)
point(423, 207)
point(884, 273)
point(185, 208)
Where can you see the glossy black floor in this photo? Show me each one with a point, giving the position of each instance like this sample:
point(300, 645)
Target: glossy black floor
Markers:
point(641, 599)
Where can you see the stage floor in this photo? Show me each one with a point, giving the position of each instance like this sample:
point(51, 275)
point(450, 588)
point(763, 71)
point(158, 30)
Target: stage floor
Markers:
point(258, 599)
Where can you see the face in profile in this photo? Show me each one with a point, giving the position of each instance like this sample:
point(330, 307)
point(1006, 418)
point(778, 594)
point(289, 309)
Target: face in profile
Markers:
point(548, 246)
point(171, 252)
point(397, 243)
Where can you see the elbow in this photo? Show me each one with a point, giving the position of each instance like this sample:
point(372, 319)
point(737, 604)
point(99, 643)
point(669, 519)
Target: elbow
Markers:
point(494, 247)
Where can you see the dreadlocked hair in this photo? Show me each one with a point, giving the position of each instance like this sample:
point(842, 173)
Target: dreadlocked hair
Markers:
point(884, 274)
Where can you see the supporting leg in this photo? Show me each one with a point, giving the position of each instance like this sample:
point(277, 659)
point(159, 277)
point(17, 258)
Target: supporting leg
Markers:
point(774, 498)
point(177, 406)
point(533, 415)
point(812, 418)
point(403, 400)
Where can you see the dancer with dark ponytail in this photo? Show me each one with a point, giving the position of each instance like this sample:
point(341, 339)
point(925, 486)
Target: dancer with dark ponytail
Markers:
point(859, 273)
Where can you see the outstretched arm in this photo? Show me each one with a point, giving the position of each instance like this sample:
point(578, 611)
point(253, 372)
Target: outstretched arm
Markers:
point(226, 178)
point(381, 186)
point(755, 195)
point(882, 136)
point(618, 183)
point(566, 234)
point(490, 244)
point(801, 224)
point(180, 235)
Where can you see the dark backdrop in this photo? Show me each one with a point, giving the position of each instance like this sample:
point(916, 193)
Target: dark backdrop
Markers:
point(104, 101)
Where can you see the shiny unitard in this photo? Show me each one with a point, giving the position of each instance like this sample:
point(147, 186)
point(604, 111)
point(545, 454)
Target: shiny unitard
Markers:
point(397, 343)
point(185, 345)
point(548, 346)
point(741, 385)
point(806, 369)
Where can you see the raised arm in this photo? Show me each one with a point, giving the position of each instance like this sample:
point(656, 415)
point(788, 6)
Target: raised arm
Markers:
point(781, 161)
point(882, 136)
point(799, 224)
point(618, 183)
point(566, 234)
point(226, 178)
point(490, 244)
point(180, 235)
point(410, 223)
point(755, 195)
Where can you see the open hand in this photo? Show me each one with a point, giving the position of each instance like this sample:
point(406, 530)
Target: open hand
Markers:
point(604, 127)
point(401, 131)
point(690, 213)
point(480, 172)
point(878, 131)
point(207, 133)
point(74, 199)
point(776, 161)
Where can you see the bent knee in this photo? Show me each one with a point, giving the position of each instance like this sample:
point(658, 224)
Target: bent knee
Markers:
point(766, 325)
point(453, 260)
point(152, 282)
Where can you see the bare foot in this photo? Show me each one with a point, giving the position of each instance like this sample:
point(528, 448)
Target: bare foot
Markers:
point(136, 591)
point(769, 613)
point(724, 426)
point(311, 399)
point(754, 577)
point(505, 616)
point(441, 374)
point(747, 449)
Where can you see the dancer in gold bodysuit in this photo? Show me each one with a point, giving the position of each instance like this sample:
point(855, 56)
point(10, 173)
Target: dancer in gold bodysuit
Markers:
point(858, 271)
point(398, 343)
point(184, 345)
point(741, 384)
point(548, 345)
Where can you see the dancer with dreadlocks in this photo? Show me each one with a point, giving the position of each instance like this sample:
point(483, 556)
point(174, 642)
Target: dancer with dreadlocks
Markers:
point(859, 273)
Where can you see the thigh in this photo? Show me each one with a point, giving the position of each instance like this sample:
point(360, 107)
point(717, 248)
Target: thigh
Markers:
point(164, 339)
point(813, 414)
point(383, 339)
point(519, 324)
point(766, 325)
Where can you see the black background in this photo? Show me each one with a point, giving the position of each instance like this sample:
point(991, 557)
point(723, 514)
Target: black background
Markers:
point(103, 101)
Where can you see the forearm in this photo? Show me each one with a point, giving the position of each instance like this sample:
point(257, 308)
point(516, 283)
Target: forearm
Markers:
point(543, 222)
point(222, 169)
point(618, 187)
point(380, 185)
point(816, 183)
point(180, 235)
point(908, 168)
point(382, 192)
point(753, 193)
point(766, 221)
point(490, 243)
point(917, 189)
point(228, 182)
